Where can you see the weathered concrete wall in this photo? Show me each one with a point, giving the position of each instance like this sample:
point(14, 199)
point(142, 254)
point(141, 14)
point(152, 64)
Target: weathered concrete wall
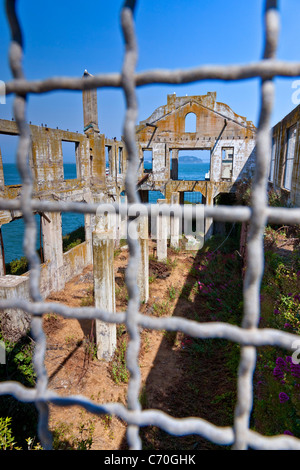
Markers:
point(217, 127)
point(14, 322)
point(280, 150)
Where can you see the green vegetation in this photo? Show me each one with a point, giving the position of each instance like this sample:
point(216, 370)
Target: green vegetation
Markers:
point(17, 267)
point(73, 239)
point(19, 367)
point(118, 368)
point(64, 437)
point(277, 378)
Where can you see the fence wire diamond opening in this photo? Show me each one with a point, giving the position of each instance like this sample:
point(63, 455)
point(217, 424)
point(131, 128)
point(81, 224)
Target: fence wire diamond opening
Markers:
point(249, 336)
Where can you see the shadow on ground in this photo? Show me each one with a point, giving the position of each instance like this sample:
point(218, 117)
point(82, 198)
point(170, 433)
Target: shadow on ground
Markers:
point(191, 377)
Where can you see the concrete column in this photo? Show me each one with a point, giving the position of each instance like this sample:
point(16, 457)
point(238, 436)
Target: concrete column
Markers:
point(174, 224)
point(209, 200)
point(52, 238)
point(143, 273)
point(162, 235)
point(168, 163)
point(174, 171)
point(117, 221)
point(90, 107)
point(88, 229)
point(52, 247)
point(141, 160)
point(104, 291)
point(159, 161)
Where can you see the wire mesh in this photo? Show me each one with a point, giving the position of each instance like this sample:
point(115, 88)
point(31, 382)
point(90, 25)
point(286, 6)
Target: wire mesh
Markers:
point(249, 336)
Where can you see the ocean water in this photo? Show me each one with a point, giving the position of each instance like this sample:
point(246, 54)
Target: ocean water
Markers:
point(188, 172)
point(14, 231)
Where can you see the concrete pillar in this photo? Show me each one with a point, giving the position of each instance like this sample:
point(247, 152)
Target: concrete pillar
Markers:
point(174, 171)
point(168, 163)
point(141, 160)
point(159, 161)
point(97, 157)
point(174, 223)
point(116, 221)
point(162, 235)
point(209, 200)
point(123, 220)
point(88, 229)
point(104, 291)
point(90, 107)
point(143, 273)
point(52, 247)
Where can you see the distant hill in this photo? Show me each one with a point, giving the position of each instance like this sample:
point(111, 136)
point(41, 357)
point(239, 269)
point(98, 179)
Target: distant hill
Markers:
point(190, 159)
point(183, 159)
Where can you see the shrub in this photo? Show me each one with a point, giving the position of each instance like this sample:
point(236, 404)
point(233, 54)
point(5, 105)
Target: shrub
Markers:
point(73, 239)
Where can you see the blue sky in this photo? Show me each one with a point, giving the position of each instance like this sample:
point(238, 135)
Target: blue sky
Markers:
point(64, 38)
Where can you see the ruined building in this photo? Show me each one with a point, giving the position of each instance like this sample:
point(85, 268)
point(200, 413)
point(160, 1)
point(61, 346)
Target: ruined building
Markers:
point(101, 168)
point(285, 158)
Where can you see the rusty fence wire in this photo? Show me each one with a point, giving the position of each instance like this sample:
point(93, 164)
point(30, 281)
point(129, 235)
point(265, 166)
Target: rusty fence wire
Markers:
point(249, 336)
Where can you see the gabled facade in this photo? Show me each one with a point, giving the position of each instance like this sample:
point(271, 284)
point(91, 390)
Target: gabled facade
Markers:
point(230, 139)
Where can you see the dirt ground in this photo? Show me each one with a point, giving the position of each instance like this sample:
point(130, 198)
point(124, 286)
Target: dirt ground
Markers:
point(170, 381)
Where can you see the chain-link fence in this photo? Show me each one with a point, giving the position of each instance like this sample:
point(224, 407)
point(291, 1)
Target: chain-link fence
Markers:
point(249, 336)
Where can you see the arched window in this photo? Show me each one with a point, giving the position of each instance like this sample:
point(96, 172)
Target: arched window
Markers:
point(190, 122)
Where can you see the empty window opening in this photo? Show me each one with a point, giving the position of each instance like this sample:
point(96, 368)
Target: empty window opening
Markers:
point(120, 160)
point(272, 162)
point(290, 153)
point(227, 163)
point(91, 166)
point(12, 234)
point(107, 160)
point(154, 195)
point(73, 230)
point(191, 122)
point(8, 149)
point(148, 161)
point(193, 197)
point(193, 165)
point(69, 152)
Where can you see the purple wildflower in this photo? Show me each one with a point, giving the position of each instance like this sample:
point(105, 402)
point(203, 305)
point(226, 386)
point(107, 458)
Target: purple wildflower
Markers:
point(283, 397)
point(287, 325)
point(280, 362)
point(278, 373)
point(295, 370)
point(288, 433)
point(276, 311)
